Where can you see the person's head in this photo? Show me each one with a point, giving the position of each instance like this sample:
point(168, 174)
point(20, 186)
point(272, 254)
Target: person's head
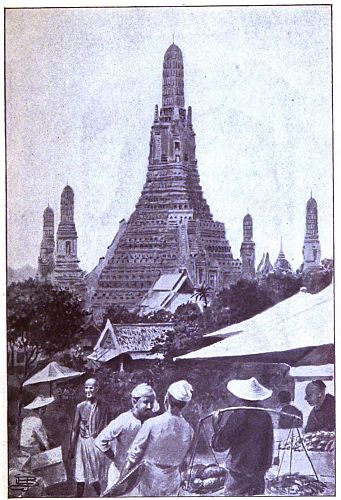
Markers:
point(144, 402)
point(91, 388)
point(284, 397)
point(178, 395)
point(315, 392)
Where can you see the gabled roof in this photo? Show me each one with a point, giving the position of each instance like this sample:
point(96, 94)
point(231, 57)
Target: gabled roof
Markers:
point(119, 339)
point(167, 287)
point(303, 320)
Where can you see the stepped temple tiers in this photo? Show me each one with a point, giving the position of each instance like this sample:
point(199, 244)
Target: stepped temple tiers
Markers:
point(172, 228)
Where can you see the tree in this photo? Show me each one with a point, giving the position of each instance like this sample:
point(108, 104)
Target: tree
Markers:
point(241, 301)
point(41, 320)
point(281, 286)
point(202, 294)
point(118, 314)
point(161, 316)
point(187, 334)
point(315, 281)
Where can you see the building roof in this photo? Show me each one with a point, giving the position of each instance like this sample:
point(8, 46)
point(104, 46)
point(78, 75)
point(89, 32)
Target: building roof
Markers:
point(169, 281)
point(311, 203)
point(167, 288)
point(173, 52)
point(303, 320)
point(131, 339)
point(310, 371)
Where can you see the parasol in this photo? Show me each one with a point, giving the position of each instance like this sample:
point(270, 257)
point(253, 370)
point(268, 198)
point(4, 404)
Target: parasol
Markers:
point(52, 372)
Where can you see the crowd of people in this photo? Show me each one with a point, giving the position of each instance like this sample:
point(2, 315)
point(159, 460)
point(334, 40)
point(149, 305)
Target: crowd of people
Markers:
point(103, 451)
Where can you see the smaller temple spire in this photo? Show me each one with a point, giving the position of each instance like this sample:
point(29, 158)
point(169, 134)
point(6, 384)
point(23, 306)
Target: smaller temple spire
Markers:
point(189, 116)
point(282, 265)
point(156, 114)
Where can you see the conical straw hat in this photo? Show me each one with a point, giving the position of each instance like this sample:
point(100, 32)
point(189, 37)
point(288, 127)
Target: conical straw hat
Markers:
point(39, 402)
point(249, 389)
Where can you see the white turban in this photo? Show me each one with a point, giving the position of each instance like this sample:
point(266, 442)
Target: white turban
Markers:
point(181, 391)
point(145, 390)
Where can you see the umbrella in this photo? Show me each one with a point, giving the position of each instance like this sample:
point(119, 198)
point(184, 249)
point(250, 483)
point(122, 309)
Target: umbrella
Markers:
point(51, 373)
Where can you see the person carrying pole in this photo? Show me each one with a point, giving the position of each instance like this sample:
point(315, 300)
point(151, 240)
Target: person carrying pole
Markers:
point(248, 435)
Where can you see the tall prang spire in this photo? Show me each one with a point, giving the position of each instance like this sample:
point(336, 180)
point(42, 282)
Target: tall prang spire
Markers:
point(67, 272)
point(247, 249)
point(46, 257)
point(171, 227)
point(173, 78)
point(311, 247)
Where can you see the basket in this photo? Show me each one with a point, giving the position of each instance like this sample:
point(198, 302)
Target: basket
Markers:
point(49, 466)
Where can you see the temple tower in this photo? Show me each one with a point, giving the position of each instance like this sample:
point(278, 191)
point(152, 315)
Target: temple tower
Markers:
point(264, 267)
point(282, 265)
point(67, 272)
point(46, 257)
point(172, 227)
point(311, 247)
point(247, 249)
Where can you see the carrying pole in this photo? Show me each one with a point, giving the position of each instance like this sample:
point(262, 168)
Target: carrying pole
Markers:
point(232, 408)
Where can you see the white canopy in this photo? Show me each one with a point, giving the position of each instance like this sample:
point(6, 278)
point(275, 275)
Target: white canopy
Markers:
point(303, 320)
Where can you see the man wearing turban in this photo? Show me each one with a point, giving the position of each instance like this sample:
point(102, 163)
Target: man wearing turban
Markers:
point(115, 439)
point(163, 442)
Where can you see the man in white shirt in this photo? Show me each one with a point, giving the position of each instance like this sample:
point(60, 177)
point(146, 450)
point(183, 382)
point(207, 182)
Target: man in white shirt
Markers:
point(163, 443)
point(33, 436)
point(115, 439)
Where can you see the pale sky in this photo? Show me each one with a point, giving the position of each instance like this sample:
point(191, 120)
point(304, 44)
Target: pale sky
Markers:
point(81, 89)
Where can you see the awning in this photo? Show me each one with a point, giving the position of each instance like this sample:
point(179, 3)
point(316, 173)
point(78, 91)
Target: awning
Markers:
point(302, 321)
point(316, 372)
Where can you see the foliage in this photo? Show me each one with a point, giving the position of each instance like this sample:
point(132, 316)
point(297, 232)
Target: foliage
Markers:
point(187, 334)
point(315, 281)
point(42, 320)
point(280, 286)
point(202, 294)
point(161, 316)
point(241, 301)
point(118, 314)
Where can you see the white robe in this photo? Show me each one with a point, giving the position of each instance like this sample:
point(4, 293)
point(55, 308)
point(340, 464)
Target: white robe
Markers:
point(163, 443)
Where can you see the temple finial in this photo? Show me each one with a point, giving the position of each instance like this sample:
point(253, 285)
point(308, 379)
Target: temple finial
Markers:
point(311, 193)
point(173, 37)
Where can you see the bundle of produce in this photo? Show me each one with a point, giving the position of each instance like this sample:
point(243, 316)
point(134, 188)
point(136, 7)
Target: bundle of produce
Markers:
point(203, 479)
point(295, 485)
point(313, 441)
point(320, 441)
